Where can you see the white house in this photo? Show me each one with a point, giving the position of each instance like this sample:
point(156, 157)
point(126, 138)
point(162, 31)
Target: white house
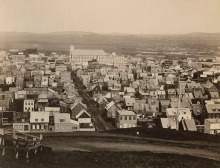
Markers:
point(63, 123)
point(28, 105)
point(39, 121)
point(9, 80)
point(212, 126)
point(85, 121)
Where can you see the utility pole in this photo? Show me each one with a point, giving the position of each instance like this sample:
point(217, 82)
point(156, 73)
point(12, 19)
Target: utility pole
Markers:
point(177, 115)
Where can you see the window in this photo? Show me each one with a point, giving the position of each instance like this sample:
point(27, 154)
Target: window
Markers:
point(42, 127)
point(62, 126)
point(25, 127)
point(134, 117)
point(42, 119)
point(125, 117)
point(57, 127)
point(25, 108)
point(36, 119)
point(33, 127)
point(62, 120)
point(28, 103)
point(129, 117)
point(21, 127)
point(121, 118)
point(16, 127)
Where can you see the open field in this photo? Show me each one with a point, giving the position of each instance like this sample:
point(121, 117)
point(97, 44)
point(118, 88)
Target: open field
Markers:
point(95, 149)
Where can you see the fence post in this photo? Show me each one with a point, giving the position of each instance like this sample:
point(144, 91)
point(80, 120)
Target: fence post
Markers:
point(41, 139)
point(2, 141)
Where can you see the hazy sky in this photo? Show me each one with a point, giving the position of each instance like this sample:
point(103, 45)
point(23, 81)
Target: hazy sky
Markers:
point(111, 16)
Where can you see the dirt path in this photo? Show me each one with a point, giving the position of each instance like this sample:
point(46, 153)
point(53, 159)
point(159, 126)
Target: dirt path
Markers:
point(105, 144)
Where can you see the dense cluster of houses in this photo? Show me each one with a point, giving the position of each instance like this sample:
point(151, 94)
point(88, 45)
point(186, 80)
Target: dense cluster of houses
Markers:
point(38, 92)
point(182, 94)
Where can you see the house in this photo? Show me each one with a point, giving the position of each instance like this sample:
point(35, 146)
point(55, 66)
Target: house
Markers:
point(212, 126)
point(9, 95)
point(79, 72)
point(29, 84)
point(76, 108)
point(28, 105)
point(161, 94)
point(139, 106)
point(181, 113)
point(94, 90)
point(143, 94)
point(4, 105)
point(129, 103)
point(188, 125)
point(65, 76)
point(44, 81)
point(163, 105)
point(37, 81)
point(169, 123)
point(129, 91)
point(9, 80)
point(125, 119)
point(111, 109)
point(171, 93)
point(190, 87)
point(212, 111)
point(214, 94)
point(39, 121)
point(42, 103)
point(63, 123)
point(21, 94)
point(19, 83)
point(85, 80)
point(2, 79)
point(154, 103)
point(85, 121)
point(22, 126)
point(6, 118)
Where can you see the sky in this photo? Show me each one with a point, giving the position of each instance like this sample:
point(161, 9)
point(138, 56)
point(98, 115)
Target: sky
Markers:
point(111, 16)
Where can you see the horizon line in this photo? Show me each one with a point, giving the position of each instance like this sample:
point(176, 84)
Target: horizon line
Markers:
point(113, 33)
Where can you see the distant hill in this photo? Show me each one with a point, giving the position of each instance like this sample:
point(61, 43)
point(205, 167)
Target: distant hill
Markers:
point(113, 42)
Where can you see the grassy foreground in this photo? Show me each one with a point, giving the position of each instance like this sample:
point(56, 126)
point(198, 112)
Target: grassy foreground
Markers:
point(104, 159)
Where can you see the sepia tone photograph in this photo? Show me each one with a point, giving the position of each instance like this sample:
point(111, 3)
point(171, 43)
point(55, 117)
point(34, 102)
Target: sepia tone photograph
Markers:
point(110, 83)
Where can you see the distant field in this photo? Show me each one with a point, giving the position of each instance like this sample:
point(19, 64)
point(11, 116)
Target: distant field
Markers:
point(125, 44)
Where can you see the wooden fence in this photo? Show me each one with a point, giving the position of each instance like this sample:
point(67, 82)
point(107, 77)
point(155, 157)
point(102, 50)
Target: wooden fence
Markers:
point(22, 142)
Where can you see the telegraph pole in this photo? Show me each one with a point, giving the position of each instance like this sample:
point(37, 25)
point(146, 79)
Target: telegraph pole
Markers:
point(177, 115)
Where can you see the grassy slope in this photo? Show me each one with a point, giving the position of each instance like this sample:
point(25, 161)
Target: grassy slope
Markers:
point(106, 159)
